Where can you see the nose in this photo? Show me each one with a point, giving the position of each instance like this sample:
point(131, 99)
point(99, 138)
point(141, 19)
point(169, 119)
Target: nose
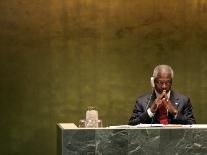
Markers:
point(164, 86)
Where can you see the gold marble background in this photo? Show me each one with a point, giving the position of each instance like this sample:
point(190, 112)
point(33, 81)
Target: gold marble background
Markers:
point(59, 56)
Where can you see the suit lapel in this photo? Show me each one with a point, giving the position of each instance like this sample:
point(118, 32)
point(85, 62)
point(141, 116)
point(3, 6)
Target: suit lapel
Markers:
point(174, 99)
point(153, 98)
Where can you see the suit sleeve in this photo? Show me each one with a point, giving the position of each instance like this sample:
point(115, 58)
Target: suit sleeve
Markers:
point(139, 115)
point(185, 116)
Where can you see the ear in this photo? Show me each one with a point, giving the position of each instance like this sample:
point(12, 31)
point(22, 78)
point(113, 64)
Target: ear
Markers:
point(152, 82)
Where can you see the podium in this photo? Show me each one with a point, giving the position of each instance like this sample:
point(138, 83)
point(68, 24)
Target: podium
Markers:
point(126, 141)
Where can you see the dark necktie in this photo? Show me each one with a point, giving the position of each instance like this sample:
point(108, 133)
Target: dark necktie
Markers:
point(163, 115)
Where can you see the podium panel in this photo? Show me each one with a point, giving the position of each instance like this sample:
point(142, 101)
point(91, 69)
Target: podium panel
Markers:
point(144, 141)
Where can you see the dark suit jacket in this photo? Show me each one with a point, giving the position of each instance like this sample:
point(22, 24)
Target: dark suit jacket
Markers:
point(180, 102)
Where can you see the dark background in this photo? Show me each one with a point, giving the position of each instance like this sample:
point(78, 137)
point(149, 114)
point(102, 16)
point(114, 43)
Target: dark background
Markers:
point(59, 56)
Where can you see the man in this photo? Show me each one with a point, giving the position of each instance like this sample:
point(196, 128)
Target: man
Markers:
point(162, 105)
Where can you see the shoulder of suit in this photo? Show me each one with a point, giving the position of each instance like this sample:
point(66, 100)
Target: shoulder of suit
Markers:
point(144, 97)
point(178, 95)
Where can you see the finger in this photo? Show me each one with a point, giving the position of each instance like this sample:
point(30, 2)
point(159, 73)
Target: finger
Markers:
point(161, 95)
point(166, 96)
point(164, 100)
point(165, 103)
point(165, 93)
point(159, 102)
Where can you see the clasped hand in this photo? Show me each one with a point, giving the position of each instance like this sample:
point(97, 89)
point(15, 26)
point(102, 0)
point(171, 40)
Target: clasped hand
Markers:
point(163, 100)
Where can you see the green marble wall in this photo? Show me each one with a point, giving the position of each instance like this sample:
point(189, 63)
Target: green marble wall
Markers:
point(58, 57)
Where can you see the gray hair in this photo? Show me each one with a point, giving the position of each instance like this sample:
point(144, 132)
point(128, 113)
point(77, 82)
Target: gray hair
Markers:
point(163, 68)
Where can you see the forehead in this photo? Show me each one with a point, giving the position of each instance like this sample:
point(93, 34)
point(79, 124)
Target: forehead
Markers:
point(163, 75)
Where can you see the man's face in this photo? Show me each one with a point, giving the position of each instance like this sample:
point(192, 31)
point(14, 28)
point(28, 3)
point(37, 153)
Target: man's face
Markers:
point(163, 81)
